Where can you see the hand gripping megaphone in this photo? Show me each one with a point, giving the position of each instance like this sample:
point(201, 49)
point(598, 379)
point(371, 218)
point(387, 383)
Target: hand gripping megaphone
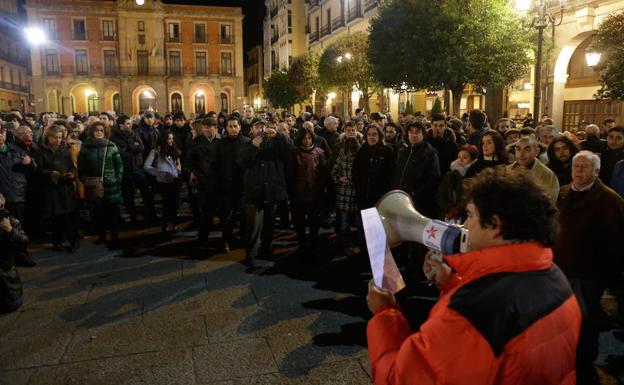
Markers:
point(402, 222)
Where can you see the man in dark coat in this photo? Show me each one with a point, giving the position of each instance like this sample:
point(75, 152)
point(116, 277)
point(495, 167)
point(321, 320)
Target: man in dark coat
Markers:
point(418, 170)
point(264, 184)
point(131, 150)
point(14, 165)
point(149, 137)
point(560, 153)
point(230, 177)
point(592, 140)
point(613, 154)
point(12, 239)
point(588, 249)
point(442, 139)
point(204, 169)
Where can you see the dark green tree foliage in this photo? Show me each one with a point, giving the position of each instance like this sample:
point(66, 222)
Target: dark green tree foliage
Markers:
point(437, 107)
point(303, 74)
point(609, 40)
point(447, 44)
point(352, 69)
point(279, 91)
point(408, 108)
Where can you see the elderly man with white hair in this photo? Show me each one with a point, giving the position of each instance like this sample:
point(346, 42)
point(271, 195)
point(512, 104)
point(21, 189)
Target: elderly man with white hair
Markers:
point(588, 249)
point(547, 134)
point(330, 131)
point(592, 140)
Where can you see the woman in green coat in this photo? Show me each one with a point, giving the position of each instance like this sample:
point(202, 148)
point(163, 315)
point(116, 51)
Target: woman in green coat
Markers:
point(107, 209)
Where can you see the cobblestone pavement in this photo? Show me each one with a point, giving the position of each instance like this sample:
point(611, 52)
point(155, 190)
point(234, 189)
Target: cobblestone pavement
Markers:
point(165, 311)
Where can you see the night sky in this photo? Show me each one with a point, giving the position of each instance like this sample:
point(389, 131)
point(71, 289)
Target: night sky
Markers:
point(252, 9)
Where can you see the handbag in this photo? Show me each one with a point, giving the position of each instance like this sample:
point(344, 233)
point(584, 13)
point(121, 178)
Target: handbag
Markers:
point(94, 186)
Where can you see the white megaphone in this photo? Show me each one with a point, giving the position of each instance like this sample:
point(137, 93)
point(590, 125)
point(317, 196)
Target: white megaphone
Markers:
point(402, 222)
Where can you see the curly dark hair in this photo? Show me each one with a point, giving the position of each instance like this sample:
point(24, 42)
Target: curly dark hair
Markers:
point(553, 162)
point(525, 211)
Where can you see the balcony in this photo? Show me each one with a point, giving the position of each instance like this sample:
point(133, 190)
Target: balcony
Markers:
point(273, 12)
point(354, 12)
point(338, 22)
point(325, 30)
point(314, 3)
point(13, 87)
point(108, 36)
point(226, 39)
point(173, 39)
point(200, 39)
point(110, 71)
point(370, 5)
point(274, 38)
point(314, 36)
point(79, 36)
point(175, 71)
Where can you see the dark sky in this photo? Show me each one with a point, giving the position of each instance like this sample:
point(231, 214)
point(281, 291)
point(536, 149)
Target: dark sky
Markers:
point(252, 9)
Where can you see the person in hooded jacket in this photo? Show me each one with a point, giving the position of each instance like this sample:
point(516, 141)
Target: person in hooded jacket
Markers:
point(418, 170)
point(560, 153)
point(222, 123)
point(96, 154)
point(306, 173)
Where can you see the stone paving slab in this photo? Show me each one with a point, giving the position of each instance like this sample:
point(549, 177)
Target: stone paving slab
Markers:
point(234, 359)
point(167, 367)
point(347, 372)
point(16, 377)
point(19, 352)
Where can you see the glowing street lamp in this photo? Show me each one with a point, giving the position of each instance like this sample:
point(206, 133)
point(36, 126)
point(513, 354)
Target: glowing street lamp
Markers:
point(331, 95)
point(140, 2)
point(35, 35)
point(592, 58)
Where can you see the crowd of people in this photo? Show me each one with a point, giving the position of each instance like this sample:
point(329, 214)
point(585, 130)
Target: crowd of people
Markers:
point(254, 171)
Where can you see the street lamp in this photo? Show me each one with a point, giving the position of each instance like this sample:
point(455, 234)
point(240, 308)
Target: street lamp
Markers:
point(592, 58)
point(541, 20)
point(35, 35)
point(140, 2)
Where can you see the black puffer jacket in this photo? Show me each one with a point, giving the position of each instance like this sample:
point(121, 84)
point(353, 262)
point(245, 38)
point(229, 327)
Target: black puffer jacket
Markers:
point(446, 148)
point(264, 181)
point(203, 163)
point(372, 172)
point(13, 174)
point(149, 137)
point(418, 174)
point(130, 148)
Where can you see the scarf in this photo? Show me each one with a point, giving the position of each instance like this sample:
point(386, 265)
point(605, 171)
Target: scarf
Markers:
point(456, 166)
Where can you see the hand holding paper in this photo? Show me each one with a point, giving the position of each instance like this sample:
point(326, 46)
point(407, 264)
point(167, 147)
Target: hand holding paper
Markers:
point(386, 274)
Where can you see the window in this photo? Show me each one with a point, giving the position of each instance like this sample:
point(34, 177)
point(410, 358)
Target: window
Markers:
point(173, 32)
point(226, 63)
point(200, 33)
point(92, 104)
point(176, 102)
point(82, 62)
point(142, 62)
point(19, 78)
point(110, 62)
point(50, 27)
point(80, 29)
point(11, 78)
point(116, 103)
point(226, 33)
point(224, 103)
point(51, 62)
point(200, 63)
point(108, 30)
point(174, 63)
point(289, 22)
point(200, 103)
point(141, 26)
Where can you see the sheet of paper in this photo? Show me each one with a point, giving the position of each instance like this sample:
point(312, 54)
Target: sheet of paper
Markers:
point(386, 274)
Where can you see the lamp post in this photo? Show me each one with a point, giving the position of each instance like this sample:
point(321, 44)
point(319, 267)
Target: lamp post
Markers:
point(540, 21)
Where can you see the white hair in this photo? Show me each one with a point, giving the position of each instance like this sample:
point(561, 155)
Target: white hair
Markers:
point(595, 159)
point(330, 119)
point(592, 130)
point(308, 124)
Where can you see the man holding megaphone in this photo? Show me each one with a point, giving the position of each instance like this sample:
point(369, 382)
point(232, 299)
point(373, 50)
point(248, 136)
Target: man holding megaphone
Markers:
point(506, 313)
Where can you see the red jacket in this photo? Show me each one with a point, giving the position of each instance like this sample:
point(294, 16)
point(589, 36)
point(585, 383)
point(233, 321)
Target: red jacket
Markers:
point(508, 316)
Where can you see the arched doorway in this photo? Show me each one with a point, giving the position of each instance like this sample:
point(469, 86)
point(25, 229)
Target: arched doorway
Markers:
point(84, 97)
point(147, 100)
point(92, 104)
point(176, 102)
point(225, 106)
point(116, 102)
point(200, 102)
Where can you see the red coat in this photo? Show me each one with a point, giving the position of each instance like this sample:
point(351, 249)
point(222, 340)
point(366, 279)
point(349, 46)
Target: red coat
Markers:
point(507, 317)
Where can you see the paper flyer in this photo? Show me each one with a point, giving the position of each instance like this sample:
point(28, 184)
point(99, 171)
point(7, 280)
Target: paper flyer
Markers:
point(386, 274)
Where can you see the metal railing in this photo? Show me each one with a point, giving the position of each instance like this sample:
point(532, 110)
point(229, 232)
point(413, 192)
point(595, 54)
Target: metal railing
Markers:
point(314, 36)
point(338, 22)
point(325, 30)
point(173, 39)
point(108, 36)
point(226, 39)
point(370, 4)
point(354, 12)
point(13, 87)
